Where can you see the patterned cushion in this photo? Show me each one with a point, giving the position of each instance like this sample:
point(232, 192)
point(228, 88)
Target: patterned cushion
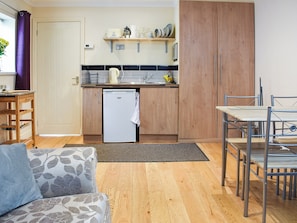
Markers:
point(17, 184)
point(93, 207)
point(64, 171)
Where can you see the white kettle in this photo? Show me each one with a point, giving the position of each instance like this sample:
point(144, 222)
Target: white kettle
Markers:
point(114, 73)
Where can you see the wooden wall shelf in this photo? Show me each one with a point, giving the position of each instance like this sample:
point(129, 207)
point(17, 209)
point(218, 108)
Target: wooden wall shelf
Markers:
point(139, 40)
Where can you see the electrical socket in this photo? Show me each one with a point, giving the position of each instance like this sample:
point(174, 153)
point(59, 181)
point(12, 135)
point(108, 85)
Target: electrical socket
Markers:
point(120, 46)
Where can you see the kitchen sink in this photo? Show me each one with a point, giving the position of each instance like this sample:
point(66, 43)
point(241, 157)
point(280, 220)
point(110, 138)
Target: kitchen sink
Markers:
point(124, 83)
point(142, 83)
point(132, 83)
point(155, 82)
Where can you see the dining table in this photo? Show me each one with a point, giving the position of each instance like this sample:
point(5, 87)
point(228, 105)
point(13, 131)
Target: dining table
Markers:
point(250, 115)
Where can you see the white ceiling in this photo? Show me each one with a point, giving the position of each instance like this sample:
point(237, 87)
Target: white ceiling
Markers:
point(102, 3)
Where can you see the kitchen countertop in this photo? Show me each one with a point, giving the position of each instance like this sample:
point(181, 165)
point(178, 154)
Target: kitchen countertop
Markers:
point(14, 93)
point(130, 85)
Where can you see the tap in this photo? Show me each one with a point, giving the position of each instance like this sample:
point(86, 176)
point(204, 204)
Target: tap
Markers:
point(147, 77)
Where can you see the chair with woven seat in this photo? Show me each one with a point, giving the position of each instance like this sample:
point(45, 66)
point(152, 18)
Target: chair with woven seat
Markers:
point(236, 132)
point(275, 155)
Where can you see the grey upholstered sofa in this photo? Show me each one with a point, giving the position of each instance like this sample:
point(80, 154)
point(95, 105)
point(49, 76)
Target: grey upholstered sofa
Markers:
point(66, 178)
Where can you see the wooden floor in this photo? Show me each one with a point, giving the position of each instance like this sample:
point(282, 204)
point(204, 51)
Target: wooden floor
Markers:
point(179, 192)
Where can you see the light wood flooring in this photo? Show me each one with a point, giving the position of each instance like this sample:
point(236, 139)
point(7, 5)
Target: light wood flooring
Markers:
point(180, 192)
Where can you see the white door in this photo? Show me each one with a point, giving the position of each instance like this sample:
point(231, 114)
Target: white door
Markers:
point(58, 59)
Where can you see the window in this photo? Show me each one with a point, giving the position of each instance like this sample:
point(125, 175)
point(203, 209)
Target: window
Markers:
point(7, 32)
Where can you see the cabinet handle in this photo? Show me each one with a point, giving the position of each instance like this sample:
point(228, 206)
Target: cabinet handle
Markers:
point(215, 69)
point(220, 69)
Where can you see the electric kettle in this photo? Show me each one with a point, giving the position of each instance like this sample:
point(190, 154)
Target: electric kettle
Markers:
point(114, 73)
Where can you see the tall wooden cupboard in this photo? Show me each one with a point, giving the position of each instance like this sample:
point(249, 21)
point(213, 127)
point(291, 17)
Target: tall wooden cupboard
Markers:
point(216, 58)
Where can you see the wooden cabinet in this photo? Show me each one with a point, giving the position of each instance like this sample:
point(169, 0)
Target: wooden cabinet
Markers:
point(158, 114)
point(19, 111)
point(216, 58)
point(92, 114)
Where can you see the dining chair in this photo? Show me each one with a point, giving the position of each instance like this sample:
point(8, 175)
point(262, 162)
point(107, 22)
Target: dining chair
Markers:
point(283, 101)
point(235, 131)
point(275, 155)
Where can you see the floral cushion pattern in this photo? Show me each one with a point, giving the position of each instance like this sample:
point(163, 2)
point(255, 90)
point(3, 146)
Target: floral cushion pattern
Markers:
point(92, 207)
point(67, 180)
point(64, 171)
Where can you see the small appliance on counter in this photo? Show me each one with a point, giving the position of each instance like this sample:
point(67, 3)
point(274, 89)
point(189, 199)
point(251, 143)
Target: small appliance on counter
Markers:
point(114, 73)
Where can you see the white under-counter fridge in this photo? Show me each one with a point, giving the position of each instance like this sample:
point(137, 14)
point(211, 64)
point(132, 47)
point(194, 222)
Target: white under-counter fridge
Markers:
point(118, 108)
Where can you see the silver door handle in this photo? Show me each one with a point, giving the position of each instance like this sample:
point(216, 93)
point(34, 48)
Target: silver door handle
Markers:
point(215, 69)
point(75, 80)
point(221, 69)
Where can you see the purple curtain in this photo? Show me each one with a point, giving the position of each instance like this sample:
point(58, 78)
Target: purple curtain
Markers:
point(23, 51)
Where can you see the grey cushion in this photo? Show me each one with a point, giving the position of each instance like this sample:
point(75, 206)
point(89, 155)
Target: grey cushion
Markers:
point(84, 208)
point(64, 171)
point(17, 184)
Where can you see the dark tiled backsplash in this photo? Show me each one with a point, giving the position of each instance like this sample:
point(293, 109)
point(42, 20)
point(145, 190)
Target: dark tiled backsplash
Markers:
point(92, 67)
point(98, 74)
point(148, 67)
point(130, 67)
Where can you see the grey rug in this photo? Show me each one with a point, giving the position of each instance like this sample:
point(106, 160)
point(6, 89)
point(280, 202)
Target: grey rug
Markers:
point(134, 152)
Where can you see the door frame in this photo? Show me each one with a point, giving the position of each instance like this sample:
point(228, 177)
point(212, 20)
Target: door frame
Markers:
point(33, 68)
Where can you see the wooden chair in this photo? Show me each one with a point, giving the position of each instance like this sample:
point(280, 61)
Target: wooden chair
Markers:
point(280, 156)
point(236, 133)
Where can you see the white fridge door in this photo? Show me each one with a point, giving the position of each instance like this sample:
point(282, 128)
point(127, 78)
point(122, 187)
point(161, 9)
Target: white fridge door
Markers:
point(118, 108)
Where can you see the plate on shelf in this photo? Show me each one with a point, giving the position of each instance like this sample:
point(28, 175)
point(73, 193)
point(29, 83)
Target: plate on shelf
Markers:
point(158, 33)
point(171, 28)
point(166, 31)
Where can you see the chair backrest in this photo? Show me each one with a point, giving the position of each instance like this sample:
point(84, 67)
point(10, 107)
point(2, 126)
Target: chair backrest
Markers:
point(282, 101)
point(288, 117)
point(235, 127)
point(242, 100)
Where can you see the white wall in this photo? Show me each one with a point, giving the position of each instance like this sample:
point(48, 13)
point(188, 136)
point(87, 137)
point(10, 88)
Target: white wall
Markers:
point(97, 22)
point(14, 5)
point(276, 46)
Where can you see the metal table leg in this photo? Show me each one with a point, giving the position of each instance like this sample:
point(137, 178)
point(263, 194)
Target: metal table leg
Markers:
point(247, 170)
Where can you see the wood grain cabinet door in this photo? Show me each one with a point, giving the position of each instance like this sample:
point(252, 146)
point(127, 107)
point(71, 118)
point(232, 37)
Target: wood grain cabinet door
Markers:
point(236, 66)
point(197, 70)
point(216, 58)
point(92, 111)
point(158, 111)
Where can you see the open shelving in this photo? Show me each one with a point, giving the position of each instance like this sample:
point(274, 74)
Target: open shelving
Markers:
point(138, 41)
